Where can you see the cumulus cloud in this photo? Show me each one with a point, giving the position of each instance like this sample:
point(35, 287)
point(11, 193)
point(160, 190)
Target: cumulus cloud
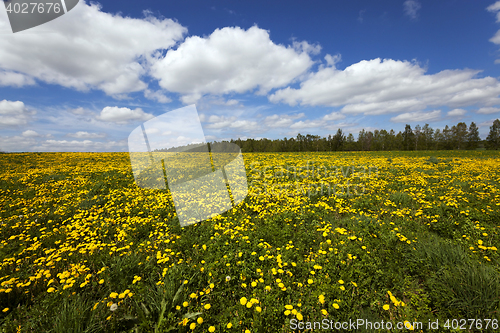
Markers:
point(283, 120)
point(456, 113)
point(157, 96)
point(495, 8)
point(9, 78)
point(229, 60)
point(418, 116)
point(87, 49)
point(79, 145)
point(333, 60)
point(334, 116)
point(307, 124)
point(306, 47)
point(86, 135)
point(30, 134)
point(222, 122)
point(217, 122)
point(14, 113)
point(34, 143)
point(488, 110)
point(207, 102)
point(411, 8)
point(123, 115)
point(373, 87)
point(348, 126)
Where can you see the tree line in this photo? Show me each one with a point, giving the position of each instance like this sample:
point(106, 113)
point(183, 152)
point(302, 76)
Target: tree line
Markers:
point(420, 138)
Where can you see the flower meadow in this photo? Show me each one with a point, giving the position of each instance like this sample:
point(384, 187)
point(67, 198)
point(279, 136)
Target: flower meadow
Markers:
point(393, 236)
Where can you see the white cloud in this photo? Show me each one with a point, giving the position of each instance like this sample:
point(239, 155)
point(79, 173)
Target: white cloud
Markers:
point(495, 8)
point(456, 113)
point(411, 8)
point(229, 60)
point(333, 60)
point(13, 113)
point(388, 86)
point(9, 78)
point(223, 122)
point(79, 111)
point(32, 143)
point(384, 107)
point(76, 145)
point(282, 120)
point(307, 124)
point(16, 143)
point(30, 134)
point(86, 135)
point(336, 126)
point(218, 122)
point(156, 95)
point(488, 110)
point(88, 49)
point(232, 102)
point(123, 115)
point(487, 123)
point(246, 125)
point(306, 47)
point(333, 116)
point(416, 116)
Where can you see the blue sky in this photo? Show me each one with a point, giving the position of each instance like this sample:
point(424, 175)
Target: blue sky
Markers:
point(86, 80)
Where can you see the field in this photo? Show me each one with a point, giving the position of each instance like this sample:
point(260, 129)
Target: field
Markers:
point(401, 237)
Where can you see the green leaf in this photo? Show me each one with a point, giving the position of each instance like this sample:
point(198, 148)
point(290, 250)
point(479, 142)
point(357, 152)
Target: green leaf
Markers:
point(146, 311)
point(177, 294)
point(192, 314)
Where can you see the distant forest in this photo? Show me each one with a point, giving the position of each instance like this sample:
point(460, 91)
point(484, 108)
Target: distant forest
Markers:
point(420, 138)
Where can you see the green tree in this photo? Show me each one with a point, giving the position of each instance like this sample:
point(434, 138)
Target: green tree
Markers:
point(438, 140)
point(408, 138)
point(338, 140)
point(447, 138)
point(377, 143)
point(493, 138)
point(418, 135)
point(459, 134)
point(473, 138)
point(350, 143)
point(399, 141)
point(427, 137)
point(361, 139)
point(391, 140)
